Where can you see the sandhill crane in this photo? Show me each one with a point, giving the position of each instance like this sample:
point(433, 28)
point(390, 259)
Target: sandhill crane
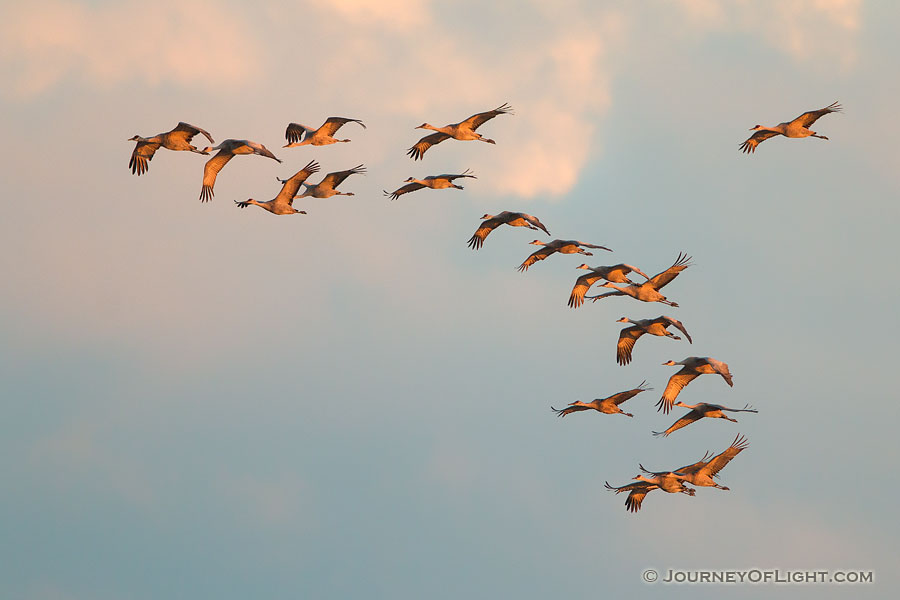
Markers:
point(282, 204)
point(702, 472)
point(609, 406)
point(615, 273)
point(326, 187)
point(649, 290)
point(464, 130)
point(670, 482)
point(700, 410)
point(513, 219)
point(561, 246)
point(435, 182)
point(226, 151)
point(629, 336)
point(636, 493)
point(692, 367)
point(301, 135)
point(177, 139)
point(792, 129)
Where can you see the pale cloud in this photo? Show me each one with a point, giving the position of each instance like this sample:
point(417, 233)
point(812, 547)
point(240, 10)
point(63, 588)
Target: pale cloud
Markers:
point(390, 13)
point(559, 88)
point(400, 64)
point(553, 143)
point(558, 84)
point(806, 30)
point(185, 43)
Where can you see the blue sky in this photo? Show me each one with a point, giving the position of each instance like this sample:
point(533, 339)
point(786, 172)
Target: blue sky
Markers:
point(204, 401)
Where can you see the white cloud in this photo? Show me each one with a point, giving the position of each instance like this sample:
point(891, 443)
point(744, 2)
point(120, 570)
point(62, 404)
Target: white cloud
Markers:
point(391, 13)
point(186, 43)
point(805, 30)
point(395, 59)
point(558, 85)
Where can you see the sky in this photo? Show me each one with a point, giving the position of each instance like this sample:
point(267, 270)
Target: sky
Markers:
point(202, 401)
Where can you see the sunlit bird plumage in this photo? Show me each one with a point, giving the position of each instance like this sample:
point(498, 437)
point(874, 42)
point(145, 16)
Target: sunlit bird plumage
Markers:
point(798, 128)
point(434, 182)
point(609, 405)
point(283, 203)
point(226, 151)
point(513, 219)
point(702, 472)
point(464, 131)
point(670, 482)
point(561, 246)
point(702, 410)
point(178, 138)
point(302, 135)
point(692, 367)
point(328, 186)
point(649, 290)
point(629, 336)
point(613, 273)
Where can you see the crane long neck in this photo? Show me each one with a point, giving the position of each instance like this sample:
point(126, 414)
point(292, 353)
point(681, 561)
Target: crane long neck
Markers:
point(774, 128)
